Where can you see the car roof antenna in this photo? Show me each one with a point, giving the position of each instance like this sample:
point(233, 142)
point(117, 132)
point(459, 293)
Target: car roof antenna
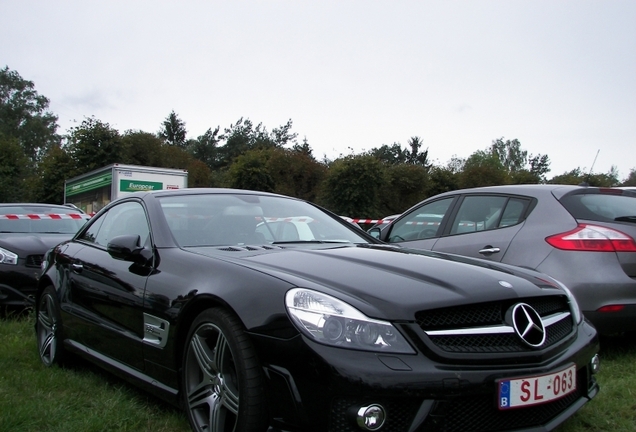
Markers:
point(589, 174)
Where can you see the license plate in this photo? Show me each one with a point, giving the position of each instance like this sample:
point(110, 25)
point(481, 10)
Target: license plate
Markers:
point(534, 390)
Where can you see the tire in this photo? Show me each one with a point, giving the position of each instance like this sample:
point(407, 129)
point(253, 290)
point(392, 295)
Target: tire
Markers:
point(222, 382)
point(49, 328)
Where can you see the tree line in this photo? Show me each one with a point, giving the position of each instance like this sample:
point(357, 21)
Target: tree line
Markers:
point(35, 160)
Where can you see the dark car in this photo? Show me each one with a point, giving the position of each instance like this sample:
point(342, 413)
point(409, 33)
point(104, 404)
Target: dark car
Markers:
point(27, 231)
point(582, 236)
point(205, 298)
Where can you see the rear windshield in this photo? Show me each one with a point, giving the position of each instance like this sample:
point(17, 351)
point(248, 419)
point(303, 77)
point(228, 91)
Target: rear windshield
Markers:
point(601, 207)
point(40, 219)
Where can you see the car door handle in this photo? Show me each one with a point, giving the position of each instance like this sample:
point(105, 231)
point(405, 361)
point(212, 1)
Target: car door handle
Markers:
point(77, 268)
point(489, 250)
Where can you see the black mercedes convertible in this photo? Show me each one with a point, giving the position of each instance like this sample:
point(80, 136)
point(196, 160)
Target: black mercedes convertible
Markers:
point(256, 311)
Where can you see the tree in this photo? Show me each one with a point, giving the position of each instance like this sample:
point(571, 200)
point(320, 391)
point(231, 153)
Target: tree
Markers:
point(394, 154)
point(205, 147)
point(414, 156)
point(304, 148)
point(198, 174)
point(515, 161)
point(455, 164)
point(14, 170)
point(390, 154)
point(572, 177)
point(250, 171)
point(510, 154)
point(406, 185)
point(608, 179)
point(483, 168)
point(241, 137)
point(295, 173)
point(352, 186)
point(539, 166)
point(524, 176)
point(282, 136)
point(631, 178)
point(279, 170)
point(56, 167)
point(578, 177)
point(94, 144)
point(442, 179)
point(24, 116)
point(174, 131)
point(142, 148)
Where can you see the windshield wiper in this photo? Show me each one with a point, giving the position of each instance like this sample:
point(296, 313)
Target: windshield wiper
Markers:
point(625, 219)
point(311, 242)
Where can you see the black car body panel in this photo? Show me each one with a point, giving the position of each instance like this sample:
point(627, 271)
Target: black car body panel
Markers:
point(133, 317)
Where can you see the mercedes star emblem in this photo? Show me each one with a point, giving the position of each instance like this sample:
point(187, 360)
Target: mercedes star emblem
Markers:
point(528, 325)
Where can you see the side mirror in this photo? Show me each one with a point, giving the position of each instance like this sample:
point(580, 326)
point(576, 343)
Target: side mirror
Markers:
point(375, 232)
point(127, 248)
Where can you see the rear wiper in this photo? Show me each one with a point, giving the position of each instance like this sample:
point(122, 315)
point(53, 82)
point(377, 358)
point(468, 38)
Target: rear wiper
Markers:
point(625, 219)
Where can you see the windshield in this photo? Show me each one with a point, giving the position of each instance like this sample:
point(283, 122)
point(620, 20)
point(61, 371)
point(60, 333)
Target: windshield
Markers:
point(227, 219)
point(40, 219)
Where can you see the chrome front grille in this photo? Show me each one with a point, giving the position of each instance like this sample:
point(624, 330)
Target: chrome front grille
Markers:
point(482, 328)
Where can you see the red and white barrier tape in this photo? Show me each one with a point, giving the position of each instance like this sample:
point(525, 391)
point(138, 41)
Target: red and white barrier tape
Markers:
point(44, 216)
point(370, 221)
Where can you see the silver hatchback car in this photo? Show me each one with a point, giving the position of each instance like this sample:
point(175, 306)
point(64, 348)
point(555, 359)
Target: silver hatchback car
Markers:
point(582, 236)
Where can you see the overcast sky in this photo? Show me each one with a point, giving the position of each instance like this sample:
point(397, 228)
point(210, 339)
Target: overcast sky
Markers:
point(559, 76)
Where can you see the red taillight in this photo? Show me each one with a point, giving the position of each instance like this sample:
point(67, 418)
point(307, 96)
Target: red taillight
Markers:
point(611, 308)
point(611, 191)
point(593, 238)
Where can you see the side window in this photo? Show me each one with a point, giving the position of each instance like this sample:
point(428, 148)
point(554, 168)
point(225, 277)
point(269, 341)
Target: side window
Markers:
point(481, 213)
point(90, 235)
point(422, 223)
point(124, 219)
point(513, 212)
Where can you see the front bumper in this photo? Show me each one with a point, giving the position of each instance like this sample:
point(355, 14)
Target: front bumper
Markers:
point(319, 388)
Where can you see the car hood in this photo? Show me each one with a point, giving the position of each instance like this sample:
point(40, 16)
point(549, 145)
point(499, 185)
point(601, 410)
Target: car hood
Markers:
point(394, 283)
point(25, 244)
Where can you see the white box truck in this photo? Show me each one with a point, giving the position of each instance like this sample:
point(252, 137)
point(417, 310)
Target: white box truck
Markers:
point(93, 190)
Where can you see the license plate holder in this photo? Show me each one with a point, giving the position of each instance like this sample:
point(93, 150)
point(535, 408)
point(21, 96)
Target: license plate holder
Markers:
point(535, 390)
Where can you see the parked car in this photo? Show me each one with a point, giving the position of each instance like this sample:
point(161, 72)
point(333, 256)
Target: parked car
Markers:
point(256, 310)
point(27, 231)
point(582, 236)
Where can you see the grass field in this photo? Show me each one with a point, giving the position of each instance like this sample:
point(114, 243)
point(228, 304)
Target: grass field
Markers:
point(85, 399)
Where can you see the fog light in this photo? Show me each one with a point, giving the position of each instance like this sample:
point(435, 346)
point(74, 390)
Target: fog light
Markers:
point(371, 417)
point(595, 364)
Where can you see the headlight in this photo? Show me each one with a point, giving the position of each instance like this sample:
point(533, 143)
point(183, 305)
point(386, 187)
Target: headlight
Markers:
point(44, 260)
point(330, 321)
point(574, 306)
point(8, 257)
